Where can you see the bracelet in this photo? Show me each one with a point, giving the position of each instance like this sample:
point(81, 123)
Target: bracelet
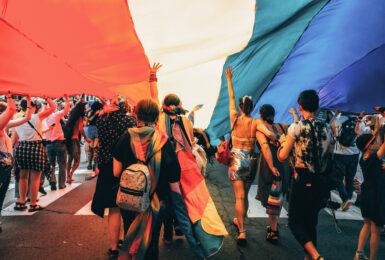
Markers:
point(153, 78)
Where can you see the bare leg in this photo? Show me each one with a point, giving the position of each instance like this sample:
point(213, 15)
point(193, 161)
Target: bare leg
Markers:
point(240, 207)
point(114, 224)
point(23, 185)
point(273, 220)
point(312, 252)
point(364, 234)
point(69, 164)
point(74, 167)
point(374, 240)
point(35, 184)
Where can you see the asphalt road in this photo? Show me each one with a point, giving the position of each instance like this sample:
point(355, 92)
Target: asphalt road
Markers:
point(67, 230)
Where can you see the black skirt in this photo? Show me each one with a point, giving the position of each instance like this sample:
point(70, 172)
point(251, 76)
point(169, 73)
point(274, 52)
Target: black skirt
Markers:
point(106, 190)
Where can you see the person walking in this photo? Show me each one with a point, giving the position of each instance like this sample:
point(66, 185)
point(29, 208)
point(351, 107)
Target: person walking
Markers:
point(146, 143)
point(7, 110)
point(112, 123)
point(56, 147)
point(311, 139)
point(273, 176)
point(242, 169)
point(345, 158)
point(372, 192)
point(30, 155)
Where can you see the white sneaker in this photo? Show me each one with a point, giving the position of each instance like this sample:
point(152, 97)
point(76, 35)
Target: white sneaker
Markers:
point(346, 205)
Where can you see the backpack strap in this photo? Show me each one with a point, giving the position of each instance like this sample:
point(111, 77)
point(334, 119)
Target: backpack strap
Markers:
point(314, 147)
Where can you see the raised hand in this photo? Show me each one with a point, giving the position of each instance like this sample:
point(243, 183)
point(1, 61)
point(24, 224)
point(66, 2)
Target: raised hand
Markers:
point(155, 67)
point(229, 72)
point(293, 111)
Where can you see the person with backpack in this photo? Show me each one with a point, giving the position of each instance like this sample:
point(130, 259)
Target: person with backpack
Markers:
point(345, 157)
point(372, 191)
point(273, 176)
point(148, 168)
point(311, 139)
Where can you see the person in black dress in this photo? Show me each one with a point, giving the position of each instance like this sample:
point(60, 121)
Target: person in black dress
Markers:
point(112, 123)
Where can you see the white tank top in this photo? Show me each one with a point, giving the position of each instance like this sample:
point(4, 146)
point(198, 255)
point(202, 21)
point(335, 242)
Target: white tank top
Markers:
point(27, 133)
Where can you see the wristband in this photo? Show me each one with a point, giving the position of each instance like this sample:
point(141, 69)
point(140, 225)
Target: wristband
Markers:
point(153, 78)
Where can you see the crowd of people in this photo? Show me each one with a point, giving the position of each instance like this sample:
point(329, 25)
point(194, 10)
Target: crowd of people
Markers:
point(303, 161)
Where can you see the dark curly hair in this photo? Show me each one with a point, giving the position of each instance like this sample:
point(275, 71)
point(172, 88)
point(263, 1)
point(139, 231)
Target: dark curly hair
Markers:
point(77, 112)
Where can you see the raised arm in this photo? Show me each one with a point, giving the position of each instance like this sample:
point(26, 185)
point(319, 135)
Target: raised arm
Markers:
point(51, 108)
point(293, 111)
point(232, 105)
point(154, 81)
point(66, 107)
point(7, 115)
point(357, 129)
point(22, 120)
point(264, 143)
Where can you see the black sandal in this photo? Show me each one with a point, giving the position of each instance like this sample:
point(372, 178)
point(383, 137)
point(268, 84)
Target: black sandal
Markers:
point(36, 207)
point(20, 206)
point(242, 241)
point(273, 236)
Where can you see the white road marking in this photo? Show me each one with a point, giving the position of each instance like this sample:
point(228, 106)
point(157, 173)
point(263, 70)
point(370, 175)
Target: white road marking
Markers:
point(44, 201)
point(353, 213)
point(256, 210)
point(86, 210)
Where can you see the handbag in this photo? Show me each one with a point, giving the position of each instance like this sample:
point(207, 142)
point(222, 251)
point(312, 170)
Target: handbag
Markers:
point(223, 149)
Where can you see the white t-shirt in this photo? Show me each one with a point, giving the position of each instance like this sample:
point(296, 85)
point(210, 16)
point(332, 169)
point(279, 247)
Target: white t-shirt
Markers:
point(339, 148)
point(57, 132)
point(27, 133)
point(303, 146)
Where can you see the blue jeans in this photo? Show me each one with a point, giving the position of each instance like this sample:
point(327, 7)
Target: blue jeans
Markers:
point(57, 150)
point(345, 166)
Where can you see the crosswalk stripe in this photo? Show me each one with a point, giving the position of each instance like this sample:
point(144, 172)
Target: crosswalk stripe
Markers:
point(256, 210)
point(354, 213)
point(77, 172)
point(86, 210)
point(44, 201)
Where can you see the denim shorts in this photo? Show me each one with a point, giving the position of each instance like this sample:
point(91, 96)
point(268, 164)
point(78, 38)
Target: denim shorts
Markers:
point(91, 132)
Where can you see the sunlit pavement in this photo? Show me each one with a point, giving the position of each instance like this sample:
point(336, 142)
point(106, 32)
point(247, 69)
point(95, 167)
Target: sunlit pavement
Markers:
point(67, 229)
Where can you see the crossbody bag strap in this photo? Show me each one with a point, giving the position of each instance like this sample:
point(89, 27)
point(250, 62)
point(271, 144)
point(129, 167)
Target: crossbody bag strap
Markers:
point(314, 148)
point(31, 125)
